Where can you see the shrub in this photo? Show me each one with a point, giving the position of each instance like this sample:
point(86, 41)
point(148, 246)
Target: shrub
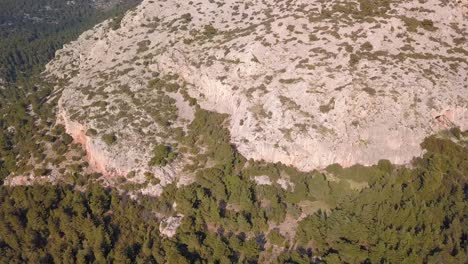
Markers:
point(354, 59)
point(370, 91)
point(186, 18)
point(456, 132)
point(154, 83)
point(143, 46)
point(163, 155)
point(412, 24)
point(150, 178)
point(116, 22)
point(275, 238)
point(210, 31)
point(428, 25)
point(367, 46)
point(39, 172)
point(109, 139)
point(58, 130)
point(328, 107)
point(91, 132)
point(60, 148)
point(67, 139)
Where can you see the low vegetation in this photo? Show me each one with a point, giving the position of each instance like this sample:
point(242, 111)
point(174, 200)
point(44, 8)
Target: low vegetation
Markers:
point(163, 155)
point(109, 139)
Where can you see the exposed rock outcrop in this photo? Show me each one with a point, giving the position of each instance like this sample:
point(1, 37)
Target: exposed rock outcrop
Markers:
point(306, 83)
point(168, 227)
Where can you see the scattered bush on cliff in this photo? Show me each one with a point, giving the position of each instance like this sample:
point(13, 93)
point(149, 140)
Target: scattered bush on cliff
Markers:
point(91, 132)
point(116, 22)
point(109, 139)
point(150, 178)
point(186, 18)
point(162, 155)
point(210, 31)
point(67, 139)
point(412, 24)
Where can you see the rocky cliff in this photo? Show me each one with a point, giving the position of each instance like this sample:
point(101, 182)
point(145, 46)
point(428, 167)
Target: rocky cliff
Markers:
point(305, 82)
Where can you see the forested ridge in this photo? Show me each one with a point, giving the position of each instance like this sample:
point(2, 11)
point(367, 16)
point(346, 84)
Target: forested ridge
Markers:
point(401, 214)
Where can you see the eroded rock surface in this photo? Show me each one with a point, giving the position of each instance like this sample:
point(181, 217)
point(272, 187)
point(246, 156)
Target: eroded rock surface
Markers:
point(305, 83)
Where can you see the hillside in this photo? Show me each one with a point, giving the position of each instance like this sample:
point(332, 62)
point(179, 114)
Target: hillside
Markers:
point(290, 131)
point(305, 84)
point(30, 33)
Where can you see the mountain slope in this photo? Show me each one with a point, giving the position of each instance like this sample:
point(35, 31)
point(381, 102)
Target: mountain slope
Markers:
point(305, 83)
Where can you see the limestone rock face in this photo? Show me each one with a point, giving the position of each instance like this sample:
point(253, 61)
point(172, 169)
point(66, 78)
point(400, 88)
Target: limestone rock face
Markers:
point(305, 82)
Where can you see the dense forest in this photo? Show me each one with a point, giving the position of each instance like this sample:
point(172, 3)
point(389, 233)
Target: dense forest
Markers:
point(402, 214)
